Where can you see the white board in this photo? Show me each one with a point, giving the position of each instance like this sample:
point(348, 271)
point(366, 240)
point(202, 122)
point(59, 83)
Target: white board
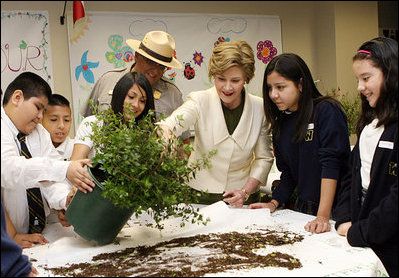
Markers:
point(195, 36)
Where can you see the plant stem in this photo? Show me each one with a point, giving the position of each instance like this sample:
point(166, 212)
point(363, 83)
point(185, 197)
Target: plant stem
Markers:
point(159, 163)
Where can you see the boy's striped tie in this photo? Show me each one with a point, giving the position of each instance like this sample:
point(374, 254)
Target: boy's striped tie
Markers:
point(37, 217)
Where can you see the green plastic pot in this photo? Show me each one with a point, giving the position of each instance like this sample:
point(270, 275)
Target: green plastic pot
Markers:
point(94, 217)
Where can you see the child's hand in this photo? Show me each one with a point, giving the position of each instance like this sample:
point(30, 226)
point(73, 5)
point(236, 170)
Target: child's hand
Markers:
point(78, 175)
point(29, 240)
point(271, 206)
point(62, 218)
point(34, 272)
point(70, 196)
point(344, 228)
point(319, 225)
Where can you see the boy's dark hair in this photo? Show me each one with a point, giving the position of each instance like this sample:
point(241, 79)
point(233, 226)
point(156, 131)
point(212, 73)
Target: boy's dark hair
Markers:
point(59, 100)
point(31, 85)
point(383, 54)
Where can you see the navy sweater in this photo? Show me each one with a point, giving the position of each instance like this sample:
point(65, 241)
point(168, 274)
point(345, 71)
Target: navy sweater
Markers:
point(324, 153)
point(375, 222)
point(13, 263)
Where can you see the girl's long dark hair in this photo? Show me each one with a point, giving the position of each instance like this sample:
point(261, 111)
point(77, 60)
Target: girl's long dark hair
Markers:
point(123, 86)
point(383, 54)
point(292, 67)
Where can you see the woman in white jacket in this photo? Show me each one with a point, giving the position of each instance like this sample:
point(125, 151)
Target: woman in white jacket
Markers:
point(231, 120)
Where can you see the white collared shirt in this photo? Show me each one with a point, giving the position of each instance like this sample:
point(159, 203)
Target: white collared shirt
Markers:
point(83, 134)
point(19, 173)
point(367, 144)
point(65, 149)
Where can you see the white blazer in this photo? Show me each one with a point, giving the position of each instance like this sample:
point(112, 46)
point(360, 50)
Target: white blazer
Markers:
point(246, 153)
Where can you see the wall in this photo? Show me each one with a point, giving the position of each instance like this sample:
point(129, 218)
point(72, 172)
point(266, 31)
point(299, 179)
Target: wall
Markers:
point(350, 35)
point(324, 33)
point(389, 14)
point(324, 43)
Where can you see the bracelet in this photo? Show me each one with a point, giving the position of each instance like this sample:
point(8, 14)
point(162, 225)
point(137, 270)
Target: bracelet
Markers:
point(275, 206)
point(246, 193)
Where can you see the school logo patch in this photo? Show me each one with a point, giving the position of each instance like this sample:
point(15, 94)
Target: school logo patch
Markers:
point(393, 168)
point(309, 135)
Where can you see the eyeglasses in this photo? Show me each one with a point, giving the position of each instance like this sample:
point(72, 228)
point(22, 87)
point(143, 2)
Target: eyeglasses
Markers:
point(153, 63)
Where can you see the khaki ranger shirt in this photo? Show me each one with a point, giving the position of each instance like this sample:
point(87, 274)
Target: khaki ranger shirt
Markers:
point(167, 96)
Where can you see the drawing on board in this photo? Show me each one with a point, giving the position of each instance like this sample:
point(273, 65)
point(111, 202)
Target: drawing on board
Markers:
point(85, 69)
point(120, 54)
point(266, 51)
point(25, 45)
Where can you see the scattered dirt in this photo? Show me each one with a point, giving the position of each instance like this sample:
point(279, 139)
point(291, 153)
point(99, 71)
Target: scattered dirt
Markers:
point(210, 253)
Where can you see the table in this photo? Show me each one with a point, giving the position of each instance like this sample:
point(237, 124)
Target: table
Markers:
point(326, 254)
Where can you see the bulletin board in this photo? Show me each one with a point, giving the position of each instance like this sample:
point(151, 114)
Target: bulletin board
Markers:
point(25, 45)
point(99, 45)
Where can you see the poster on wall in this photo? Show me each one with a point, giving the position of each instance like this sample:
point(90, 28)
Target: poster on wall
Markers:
point(25, 45)
point(99, 45)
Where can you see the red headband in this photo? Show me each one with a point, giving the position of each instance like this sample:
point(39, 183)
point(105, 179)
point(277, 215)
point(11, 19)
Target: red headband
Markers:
point(364, 51)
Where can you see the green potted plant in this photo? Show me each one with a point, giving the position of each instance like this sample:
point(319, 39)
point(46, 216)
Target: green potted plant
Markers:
point(135, 171)
point(351, 107)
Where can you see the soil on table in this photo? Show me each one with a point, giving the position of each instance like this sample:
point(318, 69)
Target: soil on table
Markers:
point(209, 253)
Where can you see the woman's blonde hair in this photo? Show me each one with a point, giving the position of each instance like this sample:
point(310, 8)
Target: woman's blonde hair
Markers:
point(235, 53)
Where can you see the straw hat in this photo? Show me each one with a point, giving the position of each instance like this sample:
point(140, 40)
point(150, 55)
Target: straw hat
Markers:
point(158, 46)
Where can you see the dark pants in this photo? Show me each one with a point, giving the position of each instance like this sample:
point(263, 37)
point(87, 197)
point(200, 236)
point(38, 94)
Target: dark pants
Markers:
point(310, 207)
point(210, 198)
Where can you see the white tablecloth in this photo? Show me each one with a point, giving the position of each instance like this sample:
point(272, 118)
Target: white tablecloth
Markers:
point(326, 254)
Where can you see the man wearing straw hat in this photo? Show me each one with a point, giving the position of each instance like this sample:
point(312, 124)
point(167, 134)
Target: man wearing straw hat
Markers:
point(153, 55)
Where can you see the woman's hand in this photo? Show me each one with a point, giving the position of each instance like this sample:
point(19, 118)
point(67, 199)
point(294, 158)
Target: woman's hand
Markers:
point(235, 198)
point(238, 197)
point(319, 225)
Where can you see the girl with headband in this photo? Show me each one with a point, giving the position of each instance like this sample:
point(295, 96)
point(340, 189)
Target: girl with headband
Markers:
point(367, 209)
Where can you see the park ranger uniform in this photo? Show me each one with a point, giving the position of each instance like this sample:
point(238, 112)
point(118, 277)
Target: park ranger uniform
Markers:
point(167, 97)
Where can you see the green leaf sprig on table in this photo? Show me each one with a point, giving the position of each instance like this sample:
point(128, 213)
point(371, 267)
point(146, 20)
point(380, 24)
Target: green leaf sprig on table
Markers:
point(143, 172)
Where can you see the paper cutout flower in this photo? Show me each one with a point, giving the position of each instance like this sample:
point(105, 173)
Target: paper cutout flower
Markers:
point(220, 40)
point(85, 68)
point(198, 58)
point(120, 55)
point(266, 51)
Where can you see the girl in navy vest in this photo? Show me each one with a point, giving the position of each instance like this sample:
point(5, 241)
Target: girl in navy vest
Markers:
point(367, 210)
point(310, 139)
